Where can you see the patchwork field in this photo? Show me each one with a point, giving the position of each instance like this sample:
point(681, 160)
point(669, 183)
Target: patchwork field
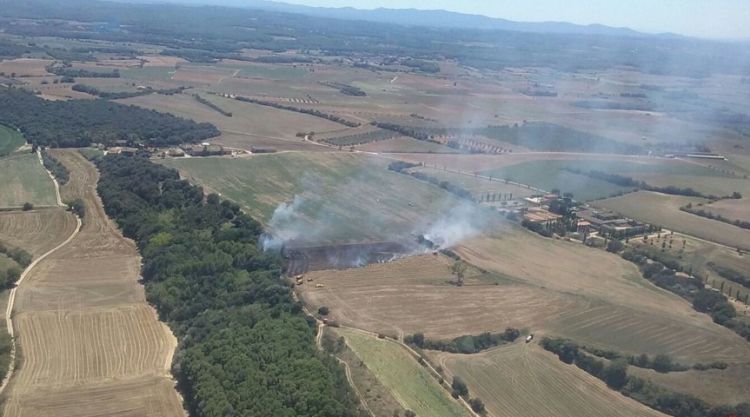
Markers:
point(339, 196)
point(715, 386)
point(663, 210)
point(523, 380)
point(249, 125)
point(25, 180)
point(91, 346)
point(36, 231)
point(10, 140)
point(412, 386)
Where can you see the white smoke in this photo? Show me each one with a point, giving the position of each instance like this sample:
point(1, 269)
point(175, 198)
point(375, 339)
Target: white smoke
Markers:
point(283, 215)
point(462, 222)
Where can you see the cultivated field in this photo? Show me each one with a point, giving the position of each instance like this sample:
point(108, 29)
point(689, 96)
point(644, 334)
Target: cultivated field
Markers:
point(36, 231)
point(10, 140)
point(249, 125)
point(91, 346)
point(340, 196)
point(663, 210)
point(730, 209)
point(524, 380)
point(24, 179)
point(478, 186)
point(411, 384)
point(542, 285)
point(25, 67)
point(715, 386)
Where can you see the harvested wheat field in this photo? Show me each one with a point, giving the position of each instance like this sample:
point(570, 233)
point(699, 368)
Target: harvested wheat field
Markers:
point(524, 380)
point(90, 344)
point(623, 310)
point(415, 295)
point(36, 231)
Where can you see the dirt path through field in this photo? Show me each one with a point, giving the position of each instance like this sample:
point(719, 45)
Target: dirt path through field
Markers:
point(90, 344)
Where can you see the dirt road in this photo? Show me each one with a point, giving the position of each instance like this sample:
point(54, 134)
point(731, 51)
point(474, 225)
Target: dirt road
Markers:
point(91, 345)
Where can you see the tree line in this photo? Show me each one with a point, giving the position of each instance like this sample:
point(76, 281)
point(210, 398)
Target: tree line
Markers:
point(57, 169)
point(246, 347)
point(615, 375)
point(464, 344)
point(311, 112)
point(704, 300)
point(79, 123)
point(718, 217)
point(731, 274)
point(211, 105)
point(629, 182)
point(115, 95)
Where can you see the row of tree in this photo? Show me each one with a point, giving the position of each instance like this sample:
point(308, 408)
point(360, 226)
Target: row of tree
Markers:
point(704, 300)
point(57, 169)
point(464, 344)
point(246, 347)
point(311, 112)
point(709, 215)
point(615, 375)
point(115, 95)
point(79, 123)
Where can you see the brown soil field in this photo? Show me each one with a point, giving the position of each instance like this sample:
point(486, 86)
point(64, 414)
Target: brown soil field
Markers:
point(36, 231)
point(715, 386)
point(404, 144)
point(249, 125)
point(731, 209)
point(664, 210)
point(548, 287)
point(624, 310)
point(524, 380)
point(415, 295)
point(479, 163)
point(90, 344)
point(25, 67)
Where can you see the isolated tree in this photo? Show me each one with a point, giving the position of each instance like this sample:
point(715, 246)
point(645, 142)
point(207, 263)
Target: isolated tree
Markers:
point(459, 269)
point(459, 387)
point(28, 206)
point(323, 311)
point(409, 413)
point(477, 405)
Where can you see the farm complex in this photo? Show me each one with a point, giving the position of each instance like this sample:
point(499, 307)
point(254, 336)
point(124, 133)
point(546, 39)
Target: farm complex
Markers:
point(287, 211)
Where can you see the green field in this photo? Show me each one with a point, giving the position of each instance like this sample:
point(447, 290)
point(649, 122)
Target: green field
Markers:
point(548, 175)
point(25, 180)
point(522, 380)
point(340, 196)
point(664, 210)
point(477, 186)
point(411, 384)
point(10, 140)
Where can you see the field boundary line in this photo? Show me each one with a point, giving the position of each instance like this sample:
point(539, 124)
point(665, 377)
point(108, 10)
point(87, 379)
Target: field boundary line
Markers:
point(12, 299)
point(54, 181)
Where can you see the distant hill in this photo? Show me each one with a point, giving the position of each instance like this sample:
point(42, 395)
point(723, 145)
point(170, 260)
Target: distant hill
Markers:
point(414, 17)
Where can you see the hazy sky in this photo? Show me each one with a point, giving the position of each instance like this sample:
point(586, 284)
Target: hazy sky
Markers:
point(704, 18)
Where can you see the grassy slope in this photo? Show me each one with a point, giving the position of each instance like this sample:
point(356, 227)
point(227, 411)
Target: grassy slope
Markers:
point(346, 196)
point(522, 380)
point(410, 383)
point(24, 180)
point(10, 140)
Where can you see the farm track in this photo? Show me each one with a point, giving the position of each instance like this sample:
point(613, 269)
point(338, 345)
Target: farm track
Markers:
point(91, 345)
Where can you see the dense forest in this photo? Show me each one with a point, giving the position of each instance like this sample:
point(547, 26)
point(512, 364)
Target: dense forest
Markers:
point(77, 123)
point(246, 348)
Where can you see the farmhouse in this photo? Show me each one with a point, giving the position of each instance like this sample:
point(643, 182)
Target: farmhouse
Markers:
point(539, 215)
point(204, 149)
point(609, 222)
